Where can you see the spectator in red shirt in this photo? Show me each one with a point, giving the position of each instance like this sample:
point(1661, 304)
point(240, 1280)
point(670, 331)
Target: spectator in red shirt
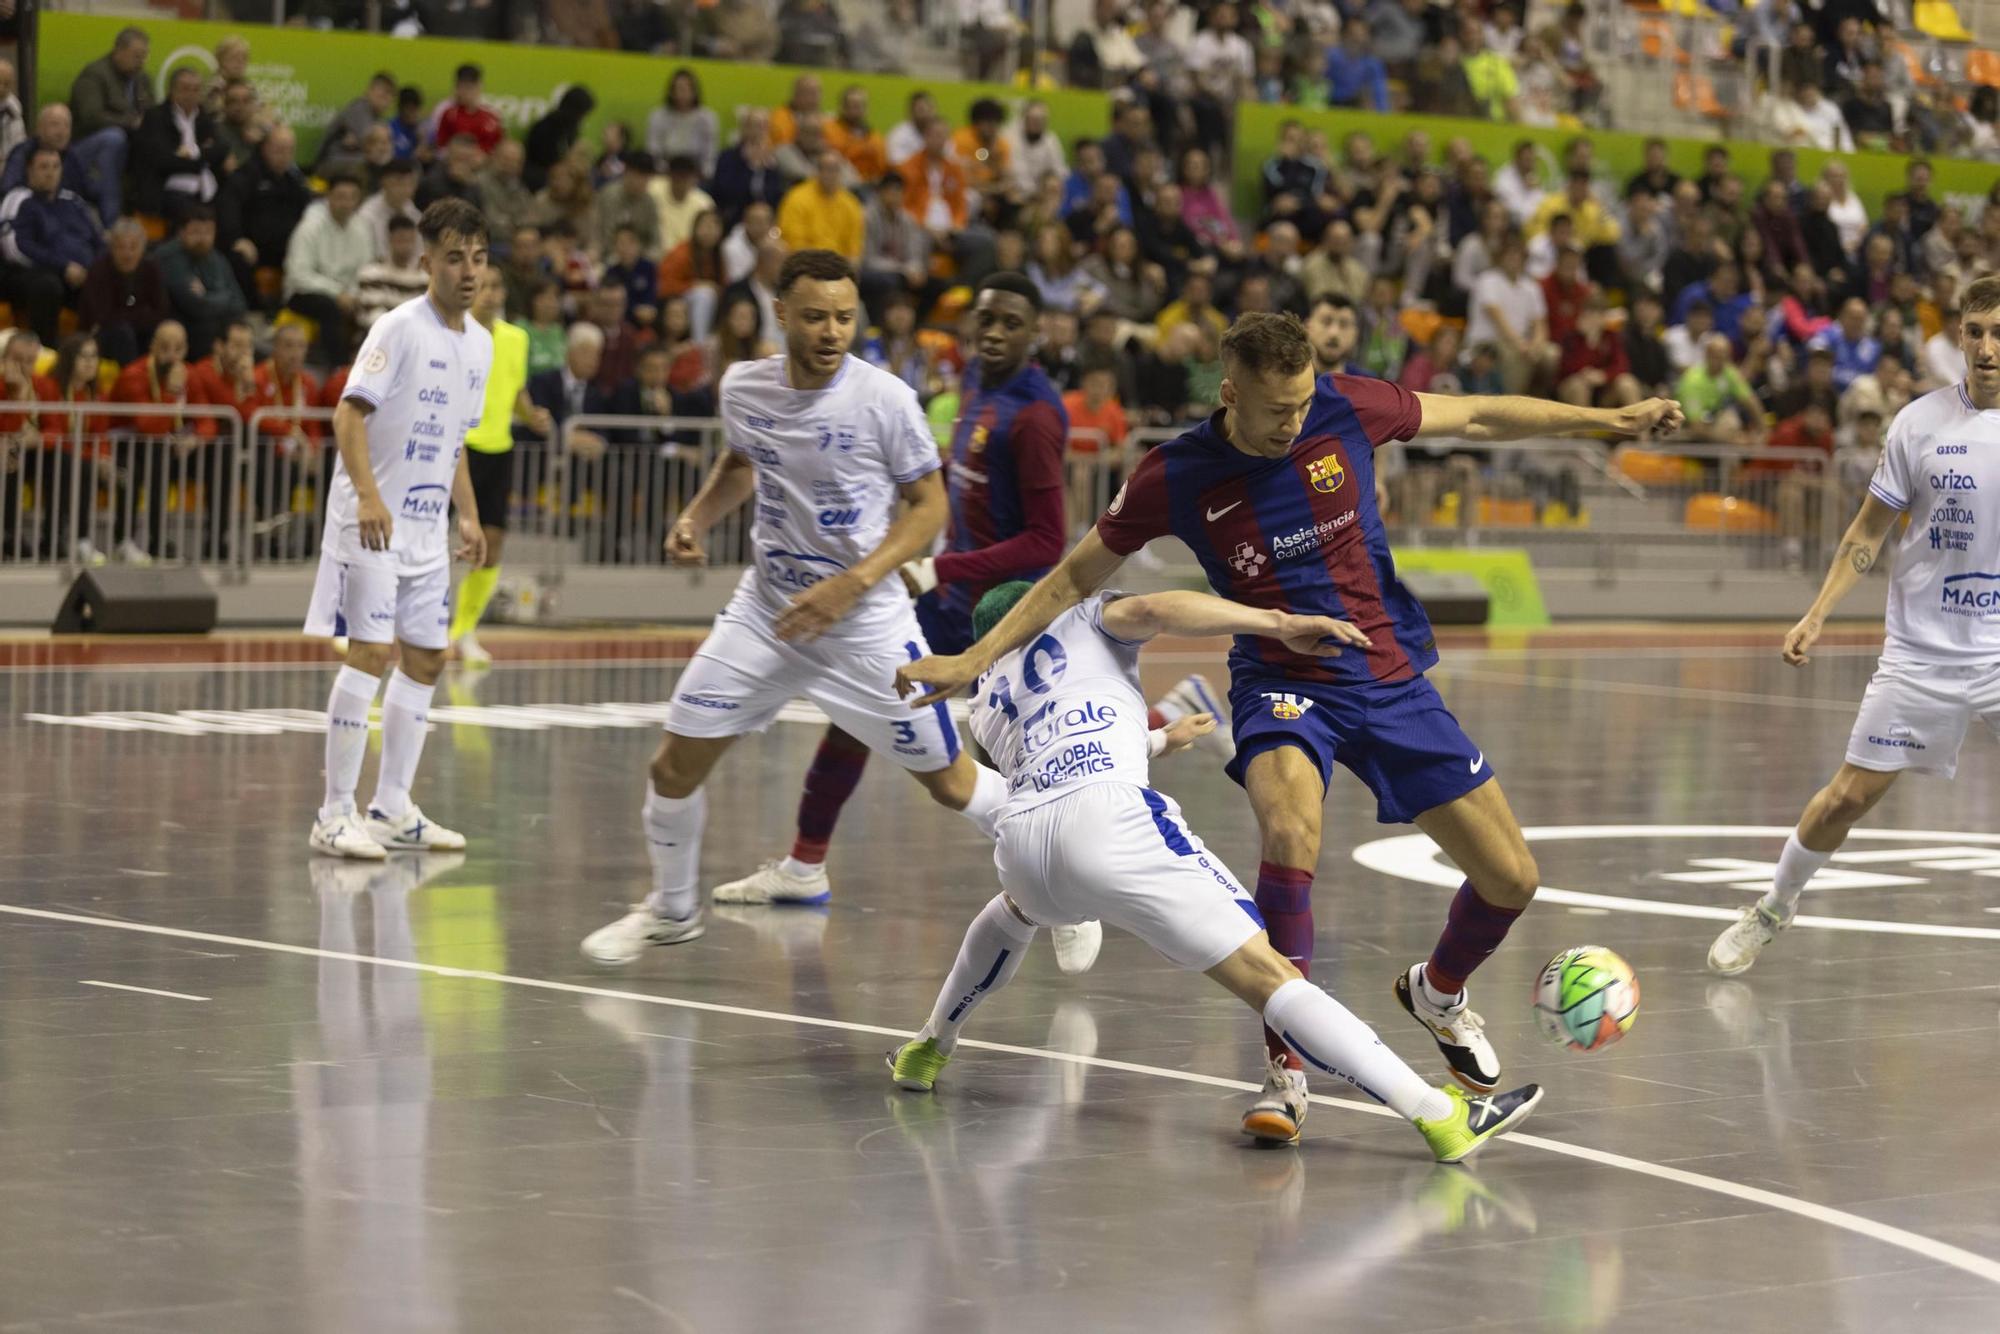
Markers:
point(228, 378)
point(68, 492)
point(1565, 292)
point(1594, 371)
point(158, 448)
point(466, 114)
point(284, 382)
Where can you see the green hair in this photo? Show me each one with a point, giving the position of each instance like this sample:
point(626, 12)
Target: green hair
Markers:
point(992, 608)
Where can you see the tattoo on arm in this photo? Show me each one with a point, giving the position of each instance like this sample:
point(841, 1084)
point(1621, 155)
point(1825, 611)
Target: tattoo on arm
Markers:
point(1858, 554)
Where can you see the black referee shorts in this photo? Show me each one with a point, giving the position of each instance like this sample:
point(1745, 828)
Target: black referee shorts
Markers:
point(492, 475)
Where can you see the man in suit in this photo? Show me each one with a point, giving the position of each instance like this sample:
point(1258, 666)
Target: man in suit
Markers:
point(176, 153)
point(571, 391)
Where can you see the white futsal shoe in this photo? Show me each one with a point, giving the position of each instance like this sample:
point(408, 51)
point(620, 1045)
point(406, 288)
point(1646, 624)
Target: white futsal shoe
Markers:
point(1191, 694)
point(1077, 946)
point(344, 836)
point(1280, 1110)
point(628, 938)
point(771, 883)
point(412, 832)
point(1744, 939)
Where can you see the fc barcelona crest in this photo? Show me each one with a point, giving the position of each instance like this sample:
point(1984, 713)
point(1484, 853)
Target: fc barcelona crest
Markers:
point(978, 440)
point(1326, 474)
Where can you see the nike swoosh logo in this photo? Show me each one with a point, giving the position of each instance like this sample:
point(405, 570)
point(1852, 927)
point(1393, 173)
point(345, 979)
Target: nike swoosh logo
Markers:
point(1478, 760)
point(1213, 515)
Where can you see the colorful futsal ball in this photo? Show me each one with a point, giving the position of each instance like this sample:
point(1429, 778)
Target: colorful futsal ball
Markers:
point(1586, 998)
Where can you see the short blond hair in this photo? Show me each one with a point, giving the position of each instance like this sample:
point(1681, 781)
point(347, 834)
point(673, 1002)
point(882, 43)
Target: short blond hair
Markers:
point(1265, 341)
point(1980, 294)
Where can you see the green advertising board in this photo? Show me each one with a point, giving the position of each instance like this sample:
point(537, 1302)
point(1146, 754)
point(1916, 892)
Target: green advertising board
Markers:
point(309, 76)
point(1507, 574)
point(1873, 175)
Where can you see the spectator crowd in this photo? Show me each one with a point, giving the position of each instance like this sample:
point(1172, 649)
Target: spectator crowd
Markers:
point(166, 242)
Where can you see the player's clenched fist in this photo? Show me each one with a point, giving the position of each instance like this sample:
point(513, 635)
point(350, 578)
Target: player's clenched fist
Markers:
point(684, 545)
point(1800, 639)
point(471, 541)
point(945, 675)
point(372, 517)
point(820, 608)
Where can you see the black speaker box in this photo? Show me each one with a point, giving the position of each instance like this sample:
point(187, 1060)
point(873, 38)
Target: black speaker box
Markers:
point(122, 600)
point(1449, 598)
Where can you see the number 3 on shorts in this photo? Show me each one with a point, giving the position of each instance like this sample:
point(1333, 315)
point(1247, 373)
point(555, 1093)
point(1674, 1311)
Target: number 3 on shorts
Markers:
point(906, 734)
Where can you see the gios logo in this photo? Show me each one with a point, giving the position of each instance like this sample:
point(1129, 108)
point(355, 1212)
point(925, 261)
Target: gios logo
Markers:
point(1288, 708)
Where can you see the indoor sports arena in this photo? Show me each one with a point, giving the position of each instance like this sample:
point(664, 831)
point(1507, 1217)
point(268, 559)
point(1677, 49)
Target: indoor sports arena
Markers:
point(872, 665)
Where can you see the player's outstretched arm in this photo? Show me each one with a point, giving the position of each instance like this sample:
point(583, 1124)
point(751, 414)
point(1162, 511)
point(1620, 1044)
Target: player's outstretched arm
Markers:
point(350, 433)
point(1200, 614)
point(726, 487)
point(1860, 547)
point(1509, 417)
point(1080, 574)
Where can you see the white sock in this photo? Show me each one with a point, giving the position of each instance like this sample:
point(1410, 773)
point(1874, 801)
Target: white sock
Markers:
point(792, 866)
point(673, 845)
point(989, 794)
point(346, 736)
point(406, 719)
point(994, 946)
point(1328, 1037)
point(1796, 865)
point(1433, 995)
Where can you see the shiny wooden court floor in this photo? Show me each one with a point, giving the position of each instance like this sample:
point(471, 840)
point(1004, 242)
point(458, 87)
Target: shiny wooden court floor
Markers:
point(242, 1089)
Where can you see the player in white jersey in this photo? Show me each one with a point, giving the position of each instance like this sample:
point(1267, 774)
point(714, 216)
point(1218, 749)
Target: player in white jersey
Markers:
point(1940, 664)
point(1082, 836)
point(825, 446)
point(417, 387)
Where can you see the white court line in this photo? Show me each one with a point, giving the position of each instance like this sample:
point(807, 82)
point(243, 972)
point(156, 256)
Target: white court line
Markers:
point(1930, 1248)
point(1649, 688)
point(146, 991)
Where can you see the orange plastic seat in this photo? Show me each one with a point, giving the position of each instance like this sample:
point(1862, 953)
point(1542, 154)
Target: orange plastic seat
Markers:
point(1710, 512)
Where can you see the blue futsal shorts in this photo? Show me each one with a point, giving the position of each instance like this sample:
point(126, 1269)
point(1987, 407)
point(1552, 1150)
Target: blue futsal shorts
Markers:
point(1398, 738)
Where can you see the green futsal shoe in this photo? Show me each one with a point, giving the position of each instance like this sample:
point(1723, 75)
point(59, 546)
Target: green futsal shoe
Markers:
point(917, 1064)
point(1474, 1120)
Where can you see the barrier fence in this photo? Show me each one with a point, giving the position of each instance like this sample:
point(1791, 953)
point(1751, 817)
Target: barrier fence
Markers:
point(84, 483)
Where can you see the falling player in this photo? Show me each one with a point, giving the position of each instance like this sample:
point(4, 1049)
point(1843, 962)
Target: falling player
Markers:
point(1940, 666)
point(1083, 836)
point(489, 459)
point(385, 562)
point(827, 445)
point(1275, 496)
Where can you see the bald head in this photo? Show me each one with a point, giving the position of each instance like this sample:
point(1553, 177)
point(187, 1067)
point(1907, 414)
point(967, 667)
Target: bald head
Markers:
point(52, 126)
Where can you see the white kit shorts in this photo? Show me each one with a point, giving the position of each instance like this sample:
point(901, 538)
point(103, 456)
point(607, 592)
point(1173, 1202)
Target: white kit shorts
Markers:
point(1915, 716)
point(373, 605)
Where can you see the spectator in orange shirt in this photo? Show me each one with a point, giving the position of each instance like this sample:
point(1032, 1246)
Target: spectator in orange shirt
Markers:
point(986, 157)
point(228, 378)
point(808, 99)
point(1097, 426)
point(850, 134)
point(935, 194)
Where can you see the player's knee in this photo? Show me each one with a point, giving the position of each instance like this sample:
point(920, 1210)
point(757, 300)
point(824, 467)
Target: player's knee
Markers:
point(670, 777)
point(1848, 798)
point(370, 658)
point(950, 787)
point(1291, 838)
point(1512, 883)
point(422, 665)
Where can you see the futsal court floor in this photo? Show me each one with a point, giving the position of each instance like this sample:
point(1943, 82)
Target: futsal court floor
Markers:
point(244, 1089)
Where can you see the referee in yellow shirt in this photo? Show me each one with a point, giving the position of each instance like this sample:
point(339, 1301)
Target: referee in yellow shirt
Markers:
point(823, 214)
point(486, 457)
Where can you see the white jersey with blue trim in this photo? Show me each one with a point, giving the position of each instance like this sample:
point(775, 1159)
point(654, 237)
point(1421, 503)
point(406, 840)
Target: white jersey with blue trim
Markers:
point(829, 462)
point(1941, 466)
point(425, 387)
point(1065, 711)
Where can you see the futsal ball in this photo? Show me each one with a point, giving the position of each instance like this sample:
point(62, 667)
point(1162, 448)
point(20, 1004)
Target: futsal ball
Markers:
point(1586, 998)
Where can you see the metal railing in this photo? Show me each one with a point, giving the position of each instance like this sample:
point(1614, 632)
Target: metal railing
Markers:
point(242, 495)
point(80, 482)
